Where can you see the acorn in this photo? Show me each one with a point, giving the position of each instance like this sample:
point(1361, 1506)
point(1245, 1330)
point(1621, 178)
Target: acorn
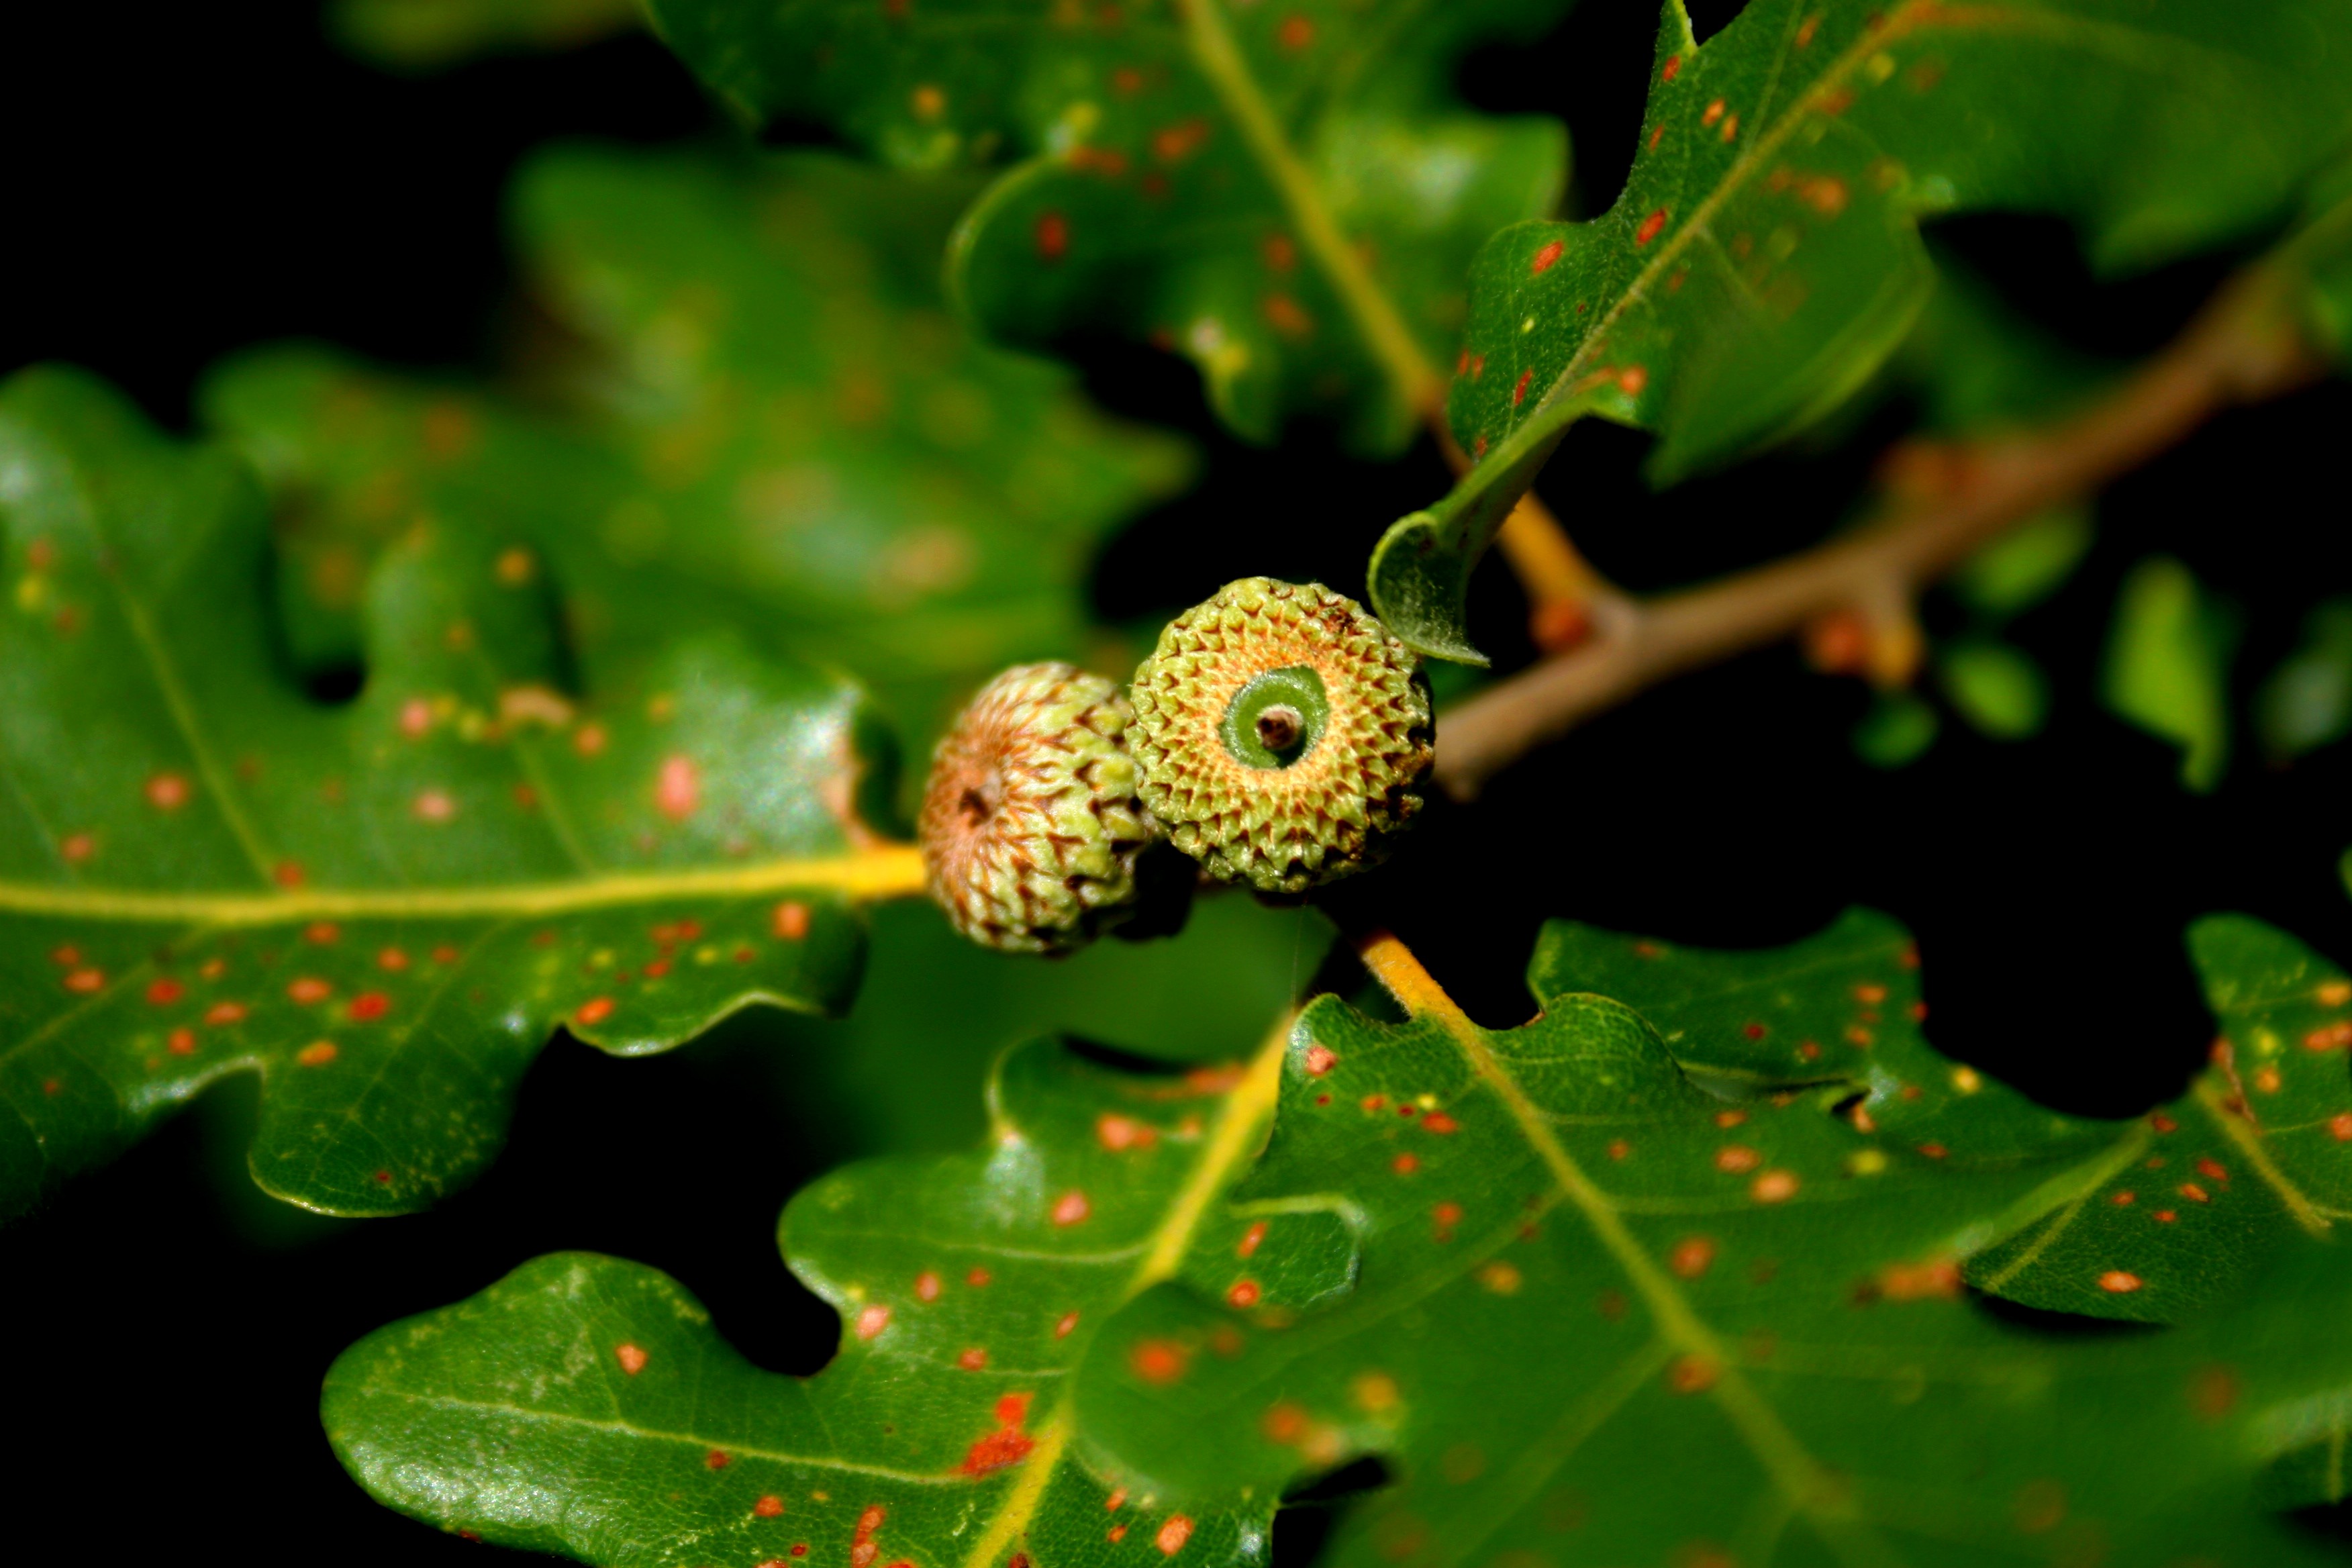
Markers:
point(1282, 734)
point(1031, 826)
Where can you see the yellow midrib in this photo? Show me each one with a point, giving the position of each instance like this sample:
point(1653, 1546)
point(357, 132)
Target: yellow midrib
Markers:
point(1239, 1128)
point(1743, 169)
point(1801, 1479)
point(2250, 1144)
point(884, 871)
point(1374, 315)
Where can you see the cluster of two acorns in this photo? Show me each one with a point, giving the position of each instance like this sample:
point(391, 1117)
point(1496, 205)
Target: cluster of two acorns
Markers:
point(1278, 735)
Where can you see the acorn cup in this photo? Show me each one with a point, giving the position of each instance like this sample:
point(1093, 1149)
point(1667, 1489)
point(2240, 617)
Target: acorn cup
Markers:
point(1282, 734)
point(1031, 824)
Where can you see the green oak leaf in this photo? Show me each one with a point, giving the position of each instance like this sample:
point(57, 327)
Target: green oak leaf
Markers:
point(583, 1405)
point(1583, 1267)
point(2186, 1200)
point(1289, 197)
point(433, 35)
point(1765, 256)
point(381, 910)
point(765, 397)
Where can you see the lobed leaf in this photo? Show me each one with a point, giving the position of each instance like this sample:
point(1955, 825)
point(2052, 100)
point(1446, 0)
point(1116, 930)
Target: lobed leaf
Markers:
point(1532, 1269)
point(1288, 196)
point(2185, 1201)
point(1595, 1253)
point(584, 1404)
point(1765, 256)
point(766, 406)
point(383, 909)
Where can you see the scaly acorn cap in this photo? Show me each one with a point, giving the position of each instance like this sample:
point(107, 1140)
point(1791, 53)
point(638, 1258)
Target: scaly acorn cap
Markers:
point(1030, 824)
point(1281, 731)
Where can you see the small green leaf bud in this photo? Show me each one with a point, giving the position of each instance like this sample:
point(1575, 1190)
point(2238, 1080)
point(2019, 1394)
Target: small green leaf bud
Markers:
point(1282, 733)
point(1030, 824)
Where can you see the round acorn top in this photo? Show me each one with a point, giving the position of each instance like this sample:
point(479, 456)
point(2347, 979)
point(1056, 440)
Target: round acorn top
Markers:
point(1030, 824)
point(1282, 733)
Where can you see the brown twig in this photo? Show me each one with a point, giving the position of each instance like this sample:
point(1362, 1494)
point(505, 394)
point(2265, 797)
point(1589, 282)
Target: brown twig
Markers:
point(1942, 501)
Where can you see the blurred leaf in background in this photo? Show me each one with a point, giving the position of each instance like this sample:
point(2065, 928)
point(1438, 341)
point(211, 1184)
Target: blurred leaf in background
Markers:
point(433, 35)
point(1899, 728)
point(1995, 686)
point(2168, 665)
point(2306, 703)
point(1289, 197)
point(748, 383)
point(936, 1010)
point(2027, 564)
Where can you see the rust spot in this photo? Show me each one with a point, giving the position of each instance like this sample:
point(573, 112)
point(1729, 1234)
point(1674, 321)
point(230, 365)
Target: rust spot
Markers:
point(632, 1359)
point(1692, 1374)
point(1121, 1133)
point(1773, 1187)
point(1160, 1362)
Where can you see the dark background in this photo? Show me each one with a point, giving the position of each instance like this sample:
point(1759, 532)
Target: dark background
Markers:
point(183, 180)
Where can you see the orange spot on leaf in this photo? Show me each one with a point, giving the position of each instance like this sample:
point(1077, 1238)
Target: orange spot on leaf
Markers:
point(1159, 1362)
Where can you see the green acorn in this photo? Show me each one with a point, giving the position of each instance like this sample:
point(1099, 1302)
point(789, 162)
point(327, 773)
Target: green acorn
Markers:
point(1282, 733)
point(1030, 824)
